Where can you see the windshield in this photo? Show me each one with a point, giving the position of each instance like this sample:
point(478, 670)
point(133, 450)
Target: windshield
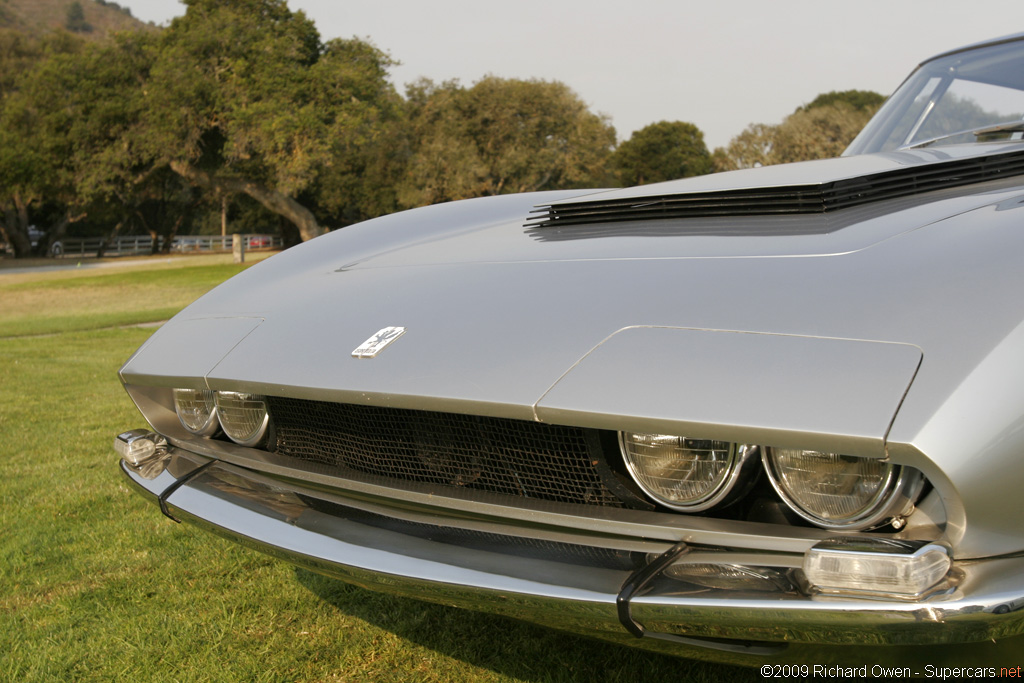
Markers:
point(953, 99)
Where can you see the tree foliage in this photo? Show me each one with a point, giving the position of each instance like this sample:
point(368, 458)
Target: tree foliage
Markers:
point(819, 133)
point(240, 106)
point(662, 151)
point(75, 21)
point(33, 151)
point(500, 136)
point(751, 148)
point(819, 130)
point(861, 100)
point(244, 98)
point(119, 8)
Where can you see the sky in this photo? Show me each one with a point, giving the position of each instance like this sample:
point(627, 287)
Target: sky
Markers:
point(721, 65)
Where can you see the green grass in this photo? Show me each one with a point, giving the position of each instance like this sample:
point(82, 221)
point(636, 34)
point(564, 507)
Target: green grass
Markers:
point(95, 585)
point(103, 300)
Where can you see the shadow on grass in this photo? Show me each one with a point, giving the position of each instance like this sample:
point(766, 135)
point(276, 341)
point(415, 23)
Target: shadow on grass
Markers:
point(508, 647)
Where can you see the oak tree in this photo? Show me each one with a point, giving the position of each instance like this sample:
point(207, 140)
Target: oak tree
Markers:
point(662, 151)
point(500, 136)
point(243, 97)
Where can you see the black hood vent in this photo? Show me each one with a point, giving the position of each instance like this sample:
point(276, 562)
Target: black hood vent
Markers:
point(795, 199)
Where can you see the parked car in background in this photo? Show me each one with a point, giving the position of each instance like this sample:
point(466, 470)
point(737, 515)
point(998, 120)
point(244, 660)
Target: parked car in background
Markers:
point(770, 416)
point(38, 239)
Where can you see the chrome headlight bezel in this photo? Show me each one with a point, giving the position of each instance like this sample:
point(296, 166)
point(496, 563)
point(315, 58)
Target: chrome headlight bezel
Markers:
point(723, 488)
point(898, 489)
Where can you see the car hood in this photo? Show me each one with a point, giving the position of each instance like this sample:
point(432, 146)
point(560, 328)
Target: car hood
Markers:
point(783, 329)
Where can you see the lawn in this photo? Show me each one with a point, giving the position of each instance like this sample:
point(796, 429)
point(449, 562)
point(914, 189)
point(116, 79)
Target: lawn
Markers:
point(95, 585)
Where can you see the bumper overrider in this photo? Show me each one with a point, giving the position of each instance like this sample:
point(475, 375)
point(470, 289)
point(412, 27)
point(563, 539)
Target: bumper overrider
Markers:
point(537, 565)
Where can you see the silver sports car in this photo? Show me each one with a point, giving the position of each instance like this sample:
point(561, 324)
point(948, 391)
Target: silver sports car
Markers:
point(768, 416)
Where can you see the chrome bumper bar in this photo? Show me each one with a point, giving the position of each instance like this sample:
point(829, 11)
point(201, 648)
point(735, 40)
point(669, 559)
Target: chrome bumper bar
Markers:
point(979, 622)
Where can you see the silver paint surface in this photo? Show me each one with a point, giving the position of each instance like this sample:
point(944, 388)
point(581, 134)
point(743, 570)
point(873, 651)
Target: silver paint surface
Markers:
point(927, 290)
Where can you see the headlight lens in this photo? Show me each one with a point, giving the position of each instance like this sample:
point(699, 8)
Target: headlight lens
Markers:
point(243, 417)
point(840, 491)
point(682, 473)
point(196, 410)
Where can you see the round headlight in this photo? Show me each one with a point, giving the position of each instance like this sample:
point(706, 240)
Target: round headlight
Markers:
point(196, 410)
point(841, 491)
point(243, 417)
point(681, 473)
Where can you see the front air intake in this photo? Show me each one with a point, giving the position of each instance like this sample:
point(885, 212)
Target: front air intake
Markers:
point(498, 455)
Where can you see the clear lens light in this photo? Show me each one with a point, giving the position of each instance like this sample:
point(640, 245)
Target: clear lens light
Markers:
point(905, 569)
point(680, 472)
point(830, 489)
point(242, 416)
point(196, 410)
point(730, 577)
point(136, 447)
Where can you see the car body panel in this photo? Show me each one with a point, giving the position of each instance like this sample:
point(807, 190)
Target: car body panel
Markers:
point(845, 390)
point(191, 360)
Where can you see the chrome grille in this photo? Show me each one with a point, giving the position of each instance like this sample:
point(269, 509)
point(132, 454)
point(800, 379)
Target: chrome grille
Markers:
point(498, 455)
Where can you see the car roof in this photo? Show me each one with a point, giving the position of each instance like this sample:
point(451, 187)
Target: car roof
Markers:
point(974, 46)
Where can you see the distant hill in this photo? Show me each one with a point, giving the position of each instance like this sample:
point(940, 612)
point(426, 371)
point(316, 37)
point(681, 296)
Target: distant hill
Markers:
point(96, 20)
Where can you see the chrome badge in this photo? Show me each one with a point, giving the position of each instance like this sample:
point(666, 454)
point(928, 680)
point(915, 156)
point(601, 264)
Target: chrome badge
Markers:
point(375, 344)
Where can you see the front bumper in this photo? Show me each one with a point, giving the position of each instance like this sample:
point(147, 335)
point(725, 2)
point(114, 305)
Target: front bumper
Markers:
point(978, 623)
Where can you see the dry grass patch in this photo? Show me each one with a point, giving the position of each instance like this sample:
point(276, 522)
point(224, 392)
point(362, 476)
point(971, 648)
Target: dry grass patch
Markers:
point(76, 300)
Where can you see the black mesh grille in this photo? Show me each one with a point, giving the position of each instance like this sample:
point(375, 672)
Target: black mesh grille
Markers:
point(498, 455)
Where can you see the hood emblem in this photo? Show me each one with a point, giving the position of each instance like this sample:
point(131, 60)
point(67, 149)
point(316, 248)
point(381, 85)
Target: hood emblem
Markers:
point(375, 344)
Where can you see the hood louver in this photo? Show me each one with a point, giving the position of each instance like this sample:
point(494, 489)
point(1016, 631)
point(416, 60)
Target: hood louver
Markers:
point(786, 200)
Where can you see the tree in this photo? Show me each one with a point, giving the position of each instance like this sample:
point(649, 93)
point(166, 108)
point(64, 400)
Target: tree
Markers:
point(6, 18)
point(662, 151)
point(819, 133)
point(32, 152)
point(860, 100)
point(85, 108)
point(818, 130)
point(75, 21)
point(119, 8)
point(751, 148)
point(72, 128)
point(244, 98)
point(361, 182)
point(500, 136)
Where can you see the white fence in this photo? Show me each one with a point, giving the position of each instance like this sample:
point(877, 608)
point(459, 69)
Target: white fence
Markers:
point(182, 244)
